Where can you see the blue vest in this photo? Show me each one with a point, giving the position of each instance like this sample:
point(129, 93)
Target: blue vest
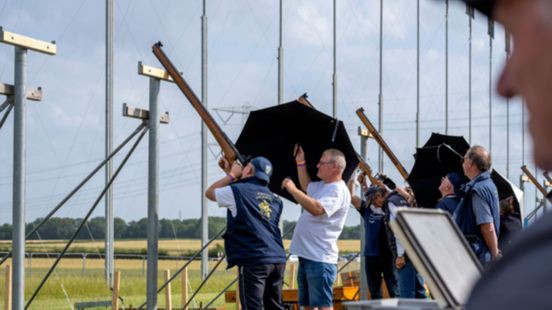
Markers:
point(399, 201)
point(465, 218)
point(253, 237)
point(448, 203)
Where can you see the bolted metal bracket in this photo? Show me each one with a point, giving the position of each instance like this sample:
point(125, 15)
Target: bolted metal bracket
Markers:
point(363, 132)
point(143, 114)
point(9, 90)
point(27, 43)
point(153, 72)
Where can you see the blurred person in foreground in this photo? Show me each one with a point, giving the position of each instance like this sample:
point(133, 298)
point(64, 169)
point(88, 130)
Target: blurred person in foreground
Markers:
point(522, 278)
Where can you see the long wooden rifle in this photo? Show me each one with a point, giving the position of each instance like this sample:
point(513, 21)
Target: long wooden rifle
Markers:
point(367, 170)
point(534, 180)
point(372, 130)
point(230, 151)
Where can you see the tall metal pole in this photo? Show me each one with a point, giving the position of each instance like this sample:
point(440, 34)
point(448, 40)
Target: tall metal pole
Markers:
point(153, 194)
point(417, 73)
point(507, 49)
point(446, 66)
point(363, 279)
point(491, 36)
point(204, 176)
point(523, 131)
point(380, 97)
point(109, 221)
point(19, 157)
point(334, 75)
point(281, 59)
point(470, 17)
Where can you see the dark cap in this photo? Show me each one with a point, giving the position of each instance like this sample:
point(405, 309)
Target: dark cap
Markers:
point(457, 181)
point(372, 191)
point(484, 6)
point(263, 168)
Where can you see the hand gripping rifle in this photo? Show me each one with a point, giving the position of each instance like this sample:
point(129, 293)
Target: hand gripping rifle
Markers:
point(229, 150)
point(372, 130)
point(367, 170)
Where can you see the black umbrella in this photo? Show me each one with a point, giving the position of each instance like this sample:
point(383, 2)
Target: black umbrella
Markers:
point(273, 133)
point(457, 143)
point(430, 165)
point(440, 155)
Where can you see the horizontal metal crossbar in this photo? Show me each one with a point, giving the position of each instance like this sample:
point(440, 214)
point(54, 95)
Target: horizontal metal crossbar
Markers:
point(27, 42)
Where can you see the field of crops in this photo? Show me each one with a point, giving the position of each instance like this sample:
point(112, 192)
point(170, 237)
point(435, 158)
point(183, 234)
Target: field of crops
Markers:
point(78, 280)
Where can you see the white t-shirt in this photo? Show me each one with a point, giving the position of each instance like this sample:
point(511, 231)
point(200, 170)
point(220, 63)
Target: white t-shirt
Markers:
point(225, 199)
point(315, 237)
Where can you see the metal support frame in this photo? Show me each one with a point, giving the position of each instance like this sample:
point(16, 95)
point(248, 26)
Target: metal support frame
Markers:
point(155, 76)
point(380, 96)
point(109, 220)
point(281, 57)
point(22, 45)
point(364, 135)
point(470, 12)
point(204, 142)
point(491, 37)
point(334, 75)
point(79, 186)
point(85, 219)
point(153, 195)
point(446, 67)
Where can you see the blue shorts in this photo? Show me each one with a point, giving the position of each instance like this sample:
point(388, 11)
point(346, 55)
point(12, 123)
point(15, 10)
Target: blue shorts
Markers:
point(315, 281)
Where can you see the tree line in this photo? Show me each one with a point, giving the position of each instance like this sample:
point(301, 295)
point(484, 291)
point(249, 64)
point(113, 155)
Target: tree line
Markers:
point(63, 228)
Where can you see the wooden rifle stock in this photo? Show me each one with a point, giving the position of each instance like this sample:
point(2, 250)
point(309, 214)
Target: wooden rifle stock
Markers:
point(534, 180)
point(230, 151)
point(372, 130)
point(367, 170)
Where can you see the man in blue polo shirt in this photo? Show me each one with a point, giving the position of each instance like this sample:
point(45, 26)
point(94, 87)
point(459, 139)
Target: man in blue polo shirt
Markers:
point(478, 215)
point(253, 240)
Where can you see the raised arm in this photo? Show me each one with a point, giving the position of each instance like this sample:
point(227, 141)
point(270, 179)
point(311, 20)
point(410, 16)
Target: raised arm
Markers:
point(304, 178)
point(233, 174)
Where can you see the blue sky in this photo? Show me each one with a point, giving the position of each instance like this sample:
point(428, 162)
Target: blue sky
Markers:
point(66, 129)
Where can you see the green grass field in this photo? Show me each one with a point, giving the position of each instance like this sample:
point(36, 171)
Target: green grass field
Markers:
point(70, 283)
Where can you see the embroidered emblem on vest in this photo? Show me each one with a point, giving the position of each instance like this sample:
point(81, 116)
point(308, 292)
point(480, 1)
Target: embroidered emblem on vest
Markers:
point(264, 206)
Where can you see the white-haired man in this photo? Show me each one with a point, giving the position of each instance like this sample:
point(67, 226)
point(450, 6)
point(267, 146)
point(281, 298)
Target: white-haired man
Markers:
point(314, 240)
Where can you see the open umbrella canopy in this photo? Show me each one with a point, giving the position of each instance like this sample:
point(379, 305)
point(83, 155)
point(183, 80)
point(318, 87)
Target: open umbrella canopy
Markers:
point(274, 131)
point(457, 143)
point(442, 154)
point(430, 165)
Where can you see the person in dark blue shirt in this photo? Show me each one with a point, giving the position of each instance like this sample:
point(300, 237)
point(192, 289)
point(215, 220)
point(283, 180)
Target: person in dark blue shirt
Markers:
point(478, 215)
point(450, 191)
point(379, 263)
point(253, 239)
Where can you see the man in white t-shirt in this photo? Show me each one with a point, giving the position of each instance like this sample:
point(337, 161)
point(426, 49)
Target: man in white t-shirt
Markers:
point(314, 241)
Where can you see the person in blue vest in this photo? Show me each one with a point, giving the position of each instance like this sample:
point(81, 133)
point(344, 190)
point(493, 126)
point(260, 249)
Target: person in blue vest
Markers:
point(450, 192)
point(411, 283)
point(253, 239)
point(379, 263)
point(478, 214)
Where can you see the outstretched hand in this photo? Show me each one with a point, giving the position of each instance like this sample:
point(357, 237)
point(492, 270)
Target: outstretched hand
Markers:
point(288, 185)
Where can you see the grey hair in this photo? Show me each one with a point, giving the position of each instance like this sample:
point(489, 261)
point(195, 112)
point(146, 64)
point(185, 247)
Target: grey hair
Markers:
point(480, 157)
point(337, 157)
